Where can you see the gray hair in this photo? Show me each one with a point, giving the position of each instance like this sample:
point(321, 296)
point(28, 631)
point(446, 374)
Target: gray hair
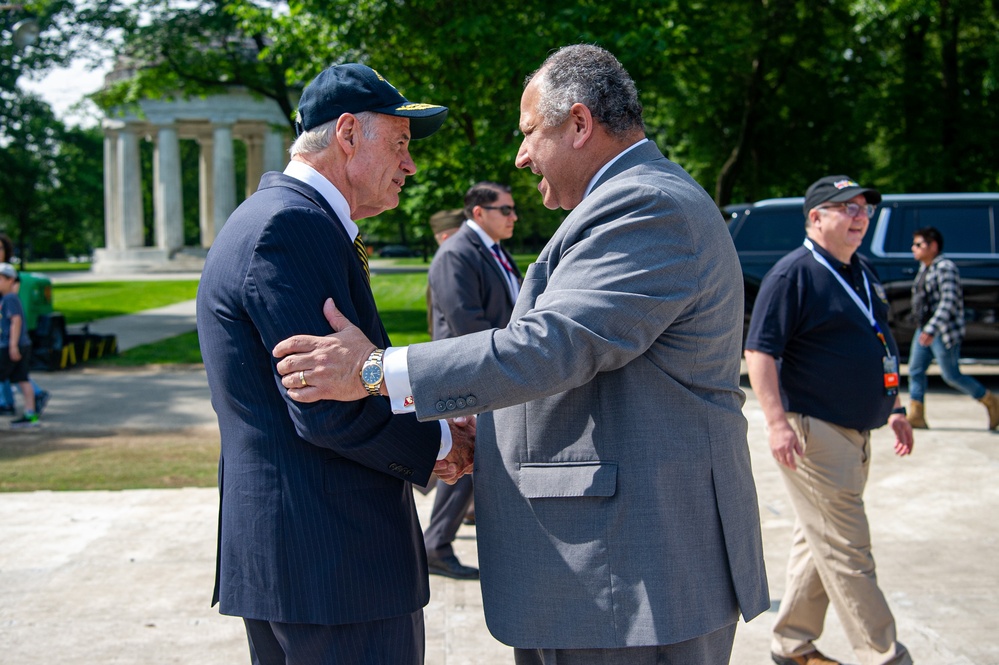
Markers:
point(319, 138)
point(592, 76)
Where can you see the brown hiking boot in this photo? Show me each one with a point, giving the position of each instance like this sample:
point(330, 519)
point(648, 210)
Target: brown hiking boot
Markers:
point(991, 403)
point(916, 416)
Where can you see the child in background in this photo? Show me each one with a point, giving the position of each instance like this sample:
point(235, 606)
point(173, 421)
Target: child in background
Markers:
point(6, 395)
point(15, 345)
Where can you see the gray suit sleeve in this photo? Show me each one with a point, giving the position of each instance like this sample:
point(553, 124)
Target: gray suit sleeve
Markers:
point(617, 274)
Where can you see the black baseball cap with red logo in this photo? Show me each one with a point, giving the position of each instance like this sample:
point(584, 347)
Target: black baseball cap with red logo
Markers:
point(837, 188)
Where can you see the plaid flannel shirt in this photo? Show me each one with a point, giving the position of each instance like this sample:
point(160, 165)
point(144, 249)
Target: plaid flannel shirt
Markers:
point(942, 293)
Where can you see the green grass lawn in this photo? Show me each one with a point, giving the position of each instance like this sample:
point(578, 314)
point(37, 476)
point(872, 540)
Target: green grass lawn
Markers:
point(49, 265)
point(108, 464)
point(88, 301)
point(401, 299)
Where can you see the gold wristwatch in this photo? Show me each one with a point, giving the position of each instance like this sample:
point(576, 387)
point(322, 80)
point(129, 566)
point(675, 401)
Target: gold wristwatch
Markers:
point(372, 373)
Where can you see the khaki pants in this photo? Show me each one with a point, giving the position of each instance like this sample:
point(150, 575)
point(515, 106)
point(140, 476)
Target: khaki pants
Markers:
point(831, 560)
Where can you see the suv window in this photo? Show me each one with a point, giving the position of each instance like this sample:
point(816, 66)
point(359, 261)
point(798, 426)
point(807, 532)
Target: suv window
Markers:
point(782, 231)
point(966, 229)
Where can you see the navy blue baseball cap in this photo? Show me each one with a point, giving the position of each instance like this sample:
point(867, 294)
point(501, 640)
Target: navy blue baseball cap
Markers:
point(354, 88)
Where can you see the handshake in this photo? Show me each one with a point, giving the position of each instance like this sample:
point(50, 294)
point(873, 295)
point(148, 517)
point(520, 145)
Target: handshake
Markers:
point(459, 460)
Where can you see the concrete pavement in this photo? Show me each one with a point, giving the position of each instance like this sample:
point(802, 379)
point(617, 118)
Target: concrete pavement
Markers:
point(126, 577)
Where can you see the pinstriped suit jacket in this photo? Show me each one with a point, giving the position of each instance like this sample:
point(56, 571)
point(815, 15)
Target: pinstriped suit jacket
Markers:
point(615, 503)
point(317, 521)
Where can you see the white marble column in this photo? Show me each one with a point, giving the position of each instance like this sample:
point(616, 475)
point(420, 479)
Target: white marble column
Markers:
point(129, 170)
point(224, 175)
point(206, 198)
point(275, 155)
point(168, 201)
point(254, 161)
point(113, 237)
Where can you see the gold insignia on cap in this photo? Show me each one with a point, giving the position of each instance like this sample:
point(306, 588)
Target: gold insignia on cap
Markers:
point(417, 107)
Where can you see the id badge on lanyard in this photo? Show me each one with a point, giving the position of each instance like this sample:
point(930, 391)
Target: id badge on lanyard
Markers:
point(888, 361)
point(890, 364)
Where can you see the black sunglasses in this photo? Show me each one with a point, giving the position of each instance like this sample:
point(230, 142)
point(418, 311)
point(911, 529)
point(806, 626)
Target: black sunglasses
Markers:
point(504, 210)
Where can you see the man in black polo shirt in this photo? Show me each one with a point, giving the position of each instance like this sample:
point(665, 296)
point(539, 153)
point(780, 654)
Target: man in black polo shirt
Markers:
point(825, 370)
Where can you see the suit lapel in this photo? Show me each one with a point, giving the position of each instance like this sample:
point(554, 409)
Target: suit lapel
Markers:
point(490, 259)
point(275, 179)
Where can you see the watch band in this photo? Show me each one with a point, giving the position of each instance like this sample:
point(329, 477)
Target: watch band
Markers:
point(374, 389)
point(900, 411)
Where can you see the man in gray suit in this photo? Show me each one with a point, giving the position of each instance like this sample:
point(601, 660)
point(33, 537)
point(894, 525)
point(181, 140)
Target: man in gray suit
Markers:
point(473, 284)
point(616, 511)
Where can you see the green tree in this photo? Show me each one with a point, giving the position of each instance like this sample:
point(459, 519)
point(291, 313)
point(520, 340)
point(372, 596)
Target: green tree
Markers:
point(27, 162)
point(47, 191)
point(755, 98)
point(70, 215)
point(936, 100)
point(207, 47)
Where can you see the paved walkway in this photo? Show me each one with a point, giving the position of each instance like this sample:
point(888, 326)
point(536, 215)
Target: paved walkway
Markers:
point(126, 577)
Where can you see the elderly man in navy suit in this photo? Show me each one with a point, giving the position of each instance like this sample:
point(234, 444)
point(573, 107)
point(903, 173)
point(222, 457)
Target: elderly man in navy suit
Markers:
point(320, 549)
point(616, 512)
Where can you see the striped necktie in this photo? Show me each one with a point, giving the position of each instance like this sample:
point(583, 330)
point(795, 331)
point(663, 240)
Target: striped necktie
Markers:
point(362, 254)
point(511, 276)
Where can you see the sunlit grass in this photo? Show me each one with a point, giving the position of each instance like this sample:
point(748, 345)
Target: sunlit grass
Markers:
point(160, 462)
point(89, 301)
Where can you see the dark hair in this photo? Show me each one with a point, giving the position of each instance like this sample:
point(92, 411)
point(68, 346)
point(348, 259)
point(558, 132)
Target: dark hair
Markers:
point(8, 247)
point(592, 76)
point(930, 234)
point(483, 193)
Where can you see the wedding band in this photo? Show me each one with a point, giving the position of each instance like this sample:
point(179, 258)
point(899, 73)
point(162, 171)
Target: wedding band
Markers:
point(301, 377)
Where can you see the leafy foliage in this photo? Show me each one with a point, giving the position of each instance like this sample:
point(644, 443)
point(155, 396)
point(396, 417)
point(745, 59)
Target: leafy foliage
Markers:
point(755, 98)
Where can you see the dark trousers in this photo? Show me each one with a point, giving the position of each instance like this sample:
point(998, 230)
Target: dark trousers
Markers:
point(711, 649)
point(450, 506)
point(396, 641)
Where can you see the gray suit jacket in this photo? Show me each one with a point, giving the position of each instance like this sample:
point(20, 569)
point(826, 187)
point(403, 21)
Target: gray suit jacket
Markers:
point(615, 499)
point(470, 293)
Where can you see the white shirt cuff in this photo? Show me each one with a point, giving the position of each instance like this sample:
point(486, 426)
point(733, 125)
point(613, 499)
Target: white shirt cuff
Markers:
point(395, 364)
point(445, 440)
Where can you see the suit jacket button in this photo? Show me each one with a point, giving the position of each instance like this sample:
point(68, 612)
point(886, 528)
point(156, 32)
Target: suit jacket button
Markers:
point(471, 401)
point(441, 406)
point(450, 405)
point(460, 402)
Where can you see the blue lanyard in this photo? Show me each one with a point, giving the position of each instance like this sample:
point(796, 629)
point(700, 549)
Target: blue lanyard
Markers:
point(868, 309)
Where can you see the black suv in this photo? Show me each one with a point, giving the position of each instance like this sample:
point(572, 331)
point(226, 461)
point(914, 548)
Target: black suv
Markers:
point(767, 230)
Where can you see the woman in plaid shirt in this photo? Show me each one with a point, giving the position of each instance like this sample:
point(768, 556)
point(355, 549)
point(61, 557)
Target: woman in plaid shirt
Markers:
point(938, 307)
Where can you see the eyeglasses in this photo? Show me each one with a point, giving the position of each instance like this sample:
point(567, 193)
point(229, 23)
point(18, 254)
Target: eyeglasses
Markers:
point(506, 211)
point(918, 245)
point(852, 209)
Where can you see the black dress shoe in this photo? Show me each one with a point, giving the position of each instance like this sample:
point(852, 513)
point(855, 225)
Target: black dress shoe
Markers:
point(449, 566)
